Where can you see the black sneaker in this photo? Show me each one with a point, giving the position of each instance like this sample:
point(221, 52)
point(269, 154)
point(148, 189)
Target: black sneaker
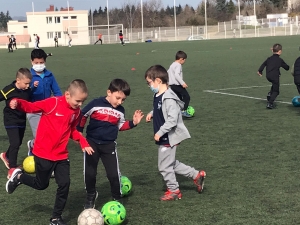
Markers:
point(269, 96)
point(90, 200)
point(13, 182)
point(270, 106)
point(57, 221)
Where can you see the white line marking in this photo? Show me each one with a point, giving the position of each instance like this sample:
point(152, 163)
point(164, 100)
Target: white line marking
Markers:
point(242, 96)
point(235, 88)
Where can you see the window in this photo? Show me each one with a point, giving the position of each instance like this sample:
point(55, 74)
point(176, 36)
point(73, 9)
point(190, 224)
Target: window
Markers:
point(57, 19)
point(50, 35)
point(73, 17)
point(49, 19)
point(65, 17)
point(58, 34)
point(74, 32)
point(25, 26)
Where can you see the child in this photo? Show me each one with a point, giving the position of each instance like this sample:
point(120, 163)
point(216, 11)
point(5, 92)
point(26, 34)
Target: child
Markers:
point(107, 117)
point(70, 40)
point(121, 38)
point(169, 132)
point(46, 86)
point(60, 115)
point(10, 44)
point(176, 82)
point(99, 39)
point(273, 64)
point(14, 40)
point(56, 41)
point(296, 74)
point(14, 120)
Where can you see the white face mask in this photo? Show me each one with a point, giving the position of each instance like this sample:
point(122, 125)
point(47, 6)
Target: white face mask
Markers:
point(38, 67)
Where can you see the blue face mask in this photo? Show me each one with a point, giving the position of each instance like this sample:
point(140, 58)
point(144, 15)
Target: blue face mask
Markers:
point(154, 90)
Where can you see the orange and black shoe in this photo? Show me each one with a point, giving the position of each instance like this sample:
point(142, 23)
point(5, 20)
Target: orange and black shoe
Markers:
point(171, 195)
point(199, 180)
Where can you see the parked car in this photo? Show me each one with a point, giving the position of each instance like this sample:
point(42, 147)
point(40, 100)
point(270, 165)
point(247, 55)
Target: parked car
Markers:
point(195, 37)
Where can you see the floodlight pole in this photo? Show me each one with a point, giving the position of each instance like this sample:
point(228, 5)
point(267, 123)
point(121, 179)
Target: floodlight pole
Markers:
point(205, 15)
point(142, 15)
point(175, 22)
point(254, 8)
point(107, 11)
point(240, 28)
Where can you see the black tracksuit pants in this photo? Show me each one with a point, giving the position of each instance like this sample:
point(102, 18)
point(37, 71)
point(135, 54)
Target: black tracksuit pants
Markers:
point(15, 137)
point(108, 155)
point(274, 92)
point(182, 94)
point(297, 83)
point(43, 171)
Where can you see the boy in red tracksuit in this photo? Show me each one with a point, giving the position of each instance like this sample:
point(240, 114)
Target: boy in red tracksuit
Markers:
point(121, 38)
point(60, 115)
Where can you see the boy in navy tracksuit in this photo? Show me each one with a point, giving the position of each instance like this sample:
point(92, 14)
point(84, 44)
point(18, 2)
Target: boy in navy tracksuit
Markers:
point(107, 117)
point(45, 87)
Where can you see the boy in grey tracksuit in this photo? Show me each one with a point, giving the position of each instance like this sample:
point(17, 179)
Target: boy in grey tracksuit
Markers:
point(169, 132)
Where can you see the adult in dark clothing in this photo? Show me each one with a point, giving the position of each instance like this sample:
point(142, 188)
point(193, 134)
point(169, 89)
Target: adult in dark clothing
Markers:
point(273, 64)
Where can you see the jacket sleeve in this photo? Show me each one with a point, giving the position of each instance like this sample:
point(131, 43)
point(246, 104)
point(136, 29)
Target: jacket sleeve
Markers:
point(85, 113)
point(44, 106)
point(172, 116)
point(284, 65)
point(55, 88)
point(262, 67)
point(76, 136)
point(3, 95)
point(125, 124)
point(177, 77)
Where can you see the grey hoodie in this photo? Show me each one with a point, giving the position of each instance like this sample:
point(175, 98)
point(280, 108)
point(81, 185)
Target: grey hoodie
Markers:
point(174, 126)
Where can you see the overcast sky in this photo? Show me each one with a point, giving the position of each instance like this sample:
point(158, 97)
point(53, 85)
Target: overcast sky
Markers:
point(20, 7)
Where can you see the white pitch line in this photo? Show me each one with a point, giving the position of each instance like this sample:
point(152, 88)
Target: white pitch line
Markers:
point(248, 87)
point(243, 96)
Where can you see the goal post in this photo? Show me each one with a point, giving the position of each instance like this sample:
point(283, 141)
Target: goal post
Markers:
point(89, 34)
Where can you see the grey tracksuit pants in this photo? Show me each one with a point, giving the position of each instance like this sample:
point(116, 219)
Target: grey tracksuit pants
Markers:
point(168, 167)
point(33, 119)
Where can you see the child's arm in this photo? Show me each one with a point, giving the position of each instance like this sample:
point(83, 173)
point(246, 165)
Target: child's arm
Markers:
point(85, 113)
point(149, 116)
point(3, 95)
point(261, 68)
point(129, 124)
point(173, 110)
point(44, 106)
point(284, 65)
point(55, 88)
point(177, 72)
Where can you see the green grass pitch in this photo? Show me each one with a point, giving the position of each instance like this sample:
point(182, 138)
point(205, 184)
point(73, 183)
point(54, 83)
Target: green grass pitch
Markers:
point(250, 153)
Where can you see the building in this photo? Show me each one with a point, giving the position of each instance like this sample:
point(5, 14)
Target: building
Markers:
point(50, 23)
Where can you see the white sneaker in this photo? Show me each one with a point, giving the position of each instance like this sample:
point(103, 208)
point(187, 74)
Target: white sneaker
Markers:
point(29, 148)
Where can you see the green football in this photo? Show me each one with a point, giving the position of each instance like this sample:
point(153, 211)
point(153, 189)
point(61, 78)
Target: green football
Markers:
point(190, 110)
point(113, 212)
point(126, 185)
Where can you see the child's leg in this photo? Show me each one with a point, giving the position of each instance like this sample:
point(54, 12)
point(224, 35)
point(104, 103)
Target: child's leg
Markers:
point(33, 119)
point(110, 161)
point(62, 178)
point(274, 91)
point(182, 94)
point(166, 163)
point(15, 137)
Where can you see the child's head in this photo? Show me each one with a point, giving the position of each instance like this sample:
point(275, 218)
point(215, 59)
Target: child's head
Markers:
point(117, 92)
point(76, 93)
point(157, 78)
point(23, 78)
point(277, 49)
point(180, 57)
point(38, 60)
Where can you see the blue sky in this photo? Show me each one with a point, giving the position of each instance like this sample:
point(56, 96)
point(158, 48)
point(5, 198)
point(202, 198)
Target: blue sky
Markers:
point(20, 7)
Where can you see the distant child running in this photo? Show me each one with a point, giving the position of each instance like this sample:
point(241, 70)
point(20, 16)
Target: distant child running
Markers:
point(273, 64)
point(176, 82)
point(14, 40)
point(60, 115)
point(70, 40)
point(121, 38)
point(169, 132)
point(107, 118)
point(15, 120)
point(99, 39)
point(45, 87)
point(10, 44)
point(56, 41)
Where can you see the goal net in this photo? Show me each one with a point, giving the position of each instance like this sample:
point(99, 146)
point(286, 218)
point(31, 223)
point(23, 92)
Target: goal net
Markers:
point(89, 34)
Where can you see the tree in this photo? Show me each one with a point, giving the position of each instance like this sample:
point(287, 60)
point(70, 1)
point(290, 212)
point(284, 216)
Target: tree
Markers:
point(4, 18)
point(230, 7)
point(56, 9)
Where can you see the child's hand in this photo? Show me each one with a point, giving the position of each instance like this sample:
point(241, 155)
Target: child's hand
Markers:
point(35, 83)
point(184, 85)
point(137, 117)
point(88, 150)
point(156, 137)
point(148, 118)
point(13, 104)
point(259, 74)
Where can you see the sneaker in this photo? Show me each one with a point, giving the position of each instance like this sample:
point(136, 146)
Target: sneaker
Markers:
point(185, 114)
point(269, 96)
point(4, 159)
point(90, 200)
point(270, 106)
point(29, 148)
point(199, 180)
point(11, 170)
point(171, 195)
point(13, 181)
point(52, 175)
point(57, 221)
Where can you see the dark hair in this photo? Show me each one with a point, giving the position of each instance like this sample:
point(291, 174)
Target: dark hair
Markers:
point(24, 72)
point(157, 71)
point(277, 48)
point(181, 55)
point(77, 84)
point(119, 85)
point(38, 54)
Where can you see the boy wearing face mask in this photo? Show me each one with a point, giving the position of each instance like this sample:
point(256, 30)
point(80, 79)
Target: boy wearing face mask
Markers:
point(169, 132)
point(43, 86)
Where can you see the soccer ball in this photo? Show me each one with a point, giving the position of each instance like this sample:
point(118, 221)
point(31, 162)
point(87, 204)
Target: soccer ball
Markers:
point(296, 101)
point(125, 185)
point(90, 217)
point(29, 165)
point(190, 110)
point(113, 212)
